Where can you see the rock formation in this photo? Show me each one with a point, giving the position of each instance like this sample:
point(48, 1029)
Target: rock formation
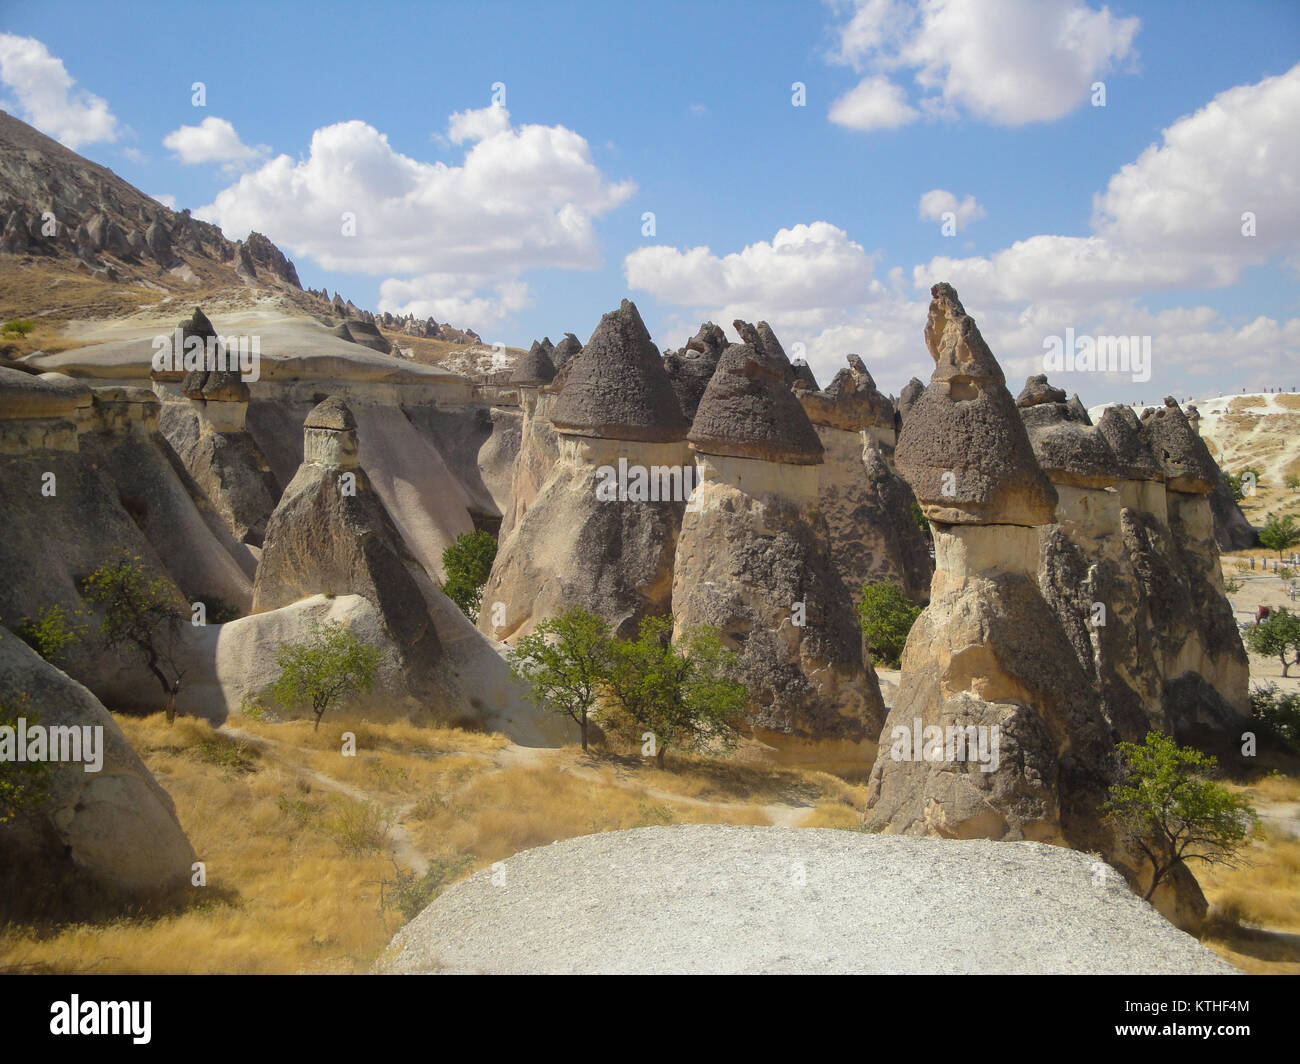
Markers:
point(754, 560)
point(586, 540)
point(691, 368)
point(101, 838)
point(331, 534)
point(867, 506)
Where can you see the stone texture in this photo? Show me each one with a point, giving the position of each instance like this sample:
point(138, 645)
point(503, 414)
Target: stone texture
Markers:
point(617, 388)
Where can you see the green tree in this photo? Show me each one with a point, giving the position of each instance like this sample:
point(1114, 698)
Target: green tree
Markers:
point(918, 515)
point(886, 615)
point(319, 671)
point(23, 784)
point(1237, 481)
point(51, 634)
point(1292, 482)
point(685, 694)
point(565, 662)
point(1277, 713)
point(1164, 802)
point(468, 564)
point(1281, 533)
point(144, 614)
point(1278, 635)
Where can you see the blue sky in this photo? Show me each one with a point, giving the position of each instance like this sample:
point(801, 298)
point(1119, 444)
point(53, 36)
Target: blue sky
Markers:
point(527, 219)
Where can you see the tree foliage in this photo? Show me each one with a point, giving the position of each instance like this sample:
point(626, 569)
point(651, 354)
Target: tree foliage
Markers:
point(565, 661)
point(1278, 635)
point(319, 671)
point(468, 564)
point(887, 616)
point(1164, 802)
point(685, 694)
point(23, 784)
point(1280, 534)
point(51, 633)
point(142, 613)
point(1277, 713)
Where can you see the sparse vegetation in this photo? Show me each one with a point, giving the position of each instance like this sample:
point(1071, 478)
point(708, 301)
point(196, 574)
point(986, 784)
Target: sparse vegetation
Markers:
point(565, 661)
point(887, 616)
point(1277, 714)
point(52, 633)
point(684, 694)
point(142, 613)
point(468, 564)
point(1172, 812)
point(1278, 635)
point(410, 894)
point(318, 672)
point(23, 784)
point(1280, 534)
point(18, 327)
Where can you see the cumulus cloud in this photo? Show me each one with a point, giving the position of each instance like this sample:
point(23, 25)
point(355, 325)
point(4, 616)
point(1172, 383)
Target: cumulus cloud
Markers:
point(166, 199)
point(478, 124)
point(47, 97)
point(213, 140)
point(1174, 217)
point(803, 268)
point(1010, 62)
point(874, 103)
point(938, 202)
point(459, 300)
point(523, 198)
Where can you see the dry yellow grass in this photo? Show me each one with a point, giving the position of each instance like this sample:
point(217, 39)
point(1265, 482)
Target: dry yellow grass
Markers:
point(833, 815)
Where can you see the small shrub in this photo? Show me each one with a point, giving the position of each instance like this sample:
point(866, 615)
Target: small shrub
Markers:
point(18, 327)
point(1277, 714)
point(887, 616)
point(468, 564)
point(23, 784)
point(222, 752)
point(52, 633)
point(299, 810)
point(357, 827)
point(1231, 587)
point(410, 894)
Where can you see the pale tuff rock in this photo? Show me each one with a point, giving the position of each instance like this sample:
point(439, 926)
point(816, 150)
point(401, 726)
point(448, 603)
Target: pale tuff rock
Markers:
point(963, 447)
point(616, 387)
point(989, 653)
point(754, 559)
point(853, 403)
point(331, 534)
point(611, 555)
point(100, 837)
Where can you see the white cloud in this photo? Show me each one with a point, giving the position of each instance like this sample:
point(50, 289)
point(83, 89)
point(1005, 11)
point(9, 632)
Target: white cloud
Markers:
point(874, 103)
point(454, 299)
point(47, 97)
point(461, 235)
point(213, 140)
point(1172, 218)
point(938, 202)
point(478, 125)
point(1010, 62)
point(166, 199)
point(803, 268)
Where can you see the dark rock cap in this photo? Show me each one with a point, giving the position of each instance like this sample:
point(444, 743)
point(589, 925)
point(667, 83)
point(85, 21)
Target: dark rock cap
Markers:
point(851, 401)
point(565, 350)
point(761, 338)
point(708, 340)
point(617, 388)
point(1120, 427)
point(963, 447)
point(911, 393)
point(803, 376)
point(1037, 390)
point(535, 368)
point(1182, 454)
point(690, 372)
point(1069, 451)
point(748, 411)
point(331, 413)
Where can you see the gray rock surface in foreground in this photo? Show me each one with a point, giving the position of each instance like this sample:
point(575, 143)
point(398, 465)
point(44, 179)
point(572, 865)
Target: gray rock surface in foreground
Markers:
point(716, 899)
